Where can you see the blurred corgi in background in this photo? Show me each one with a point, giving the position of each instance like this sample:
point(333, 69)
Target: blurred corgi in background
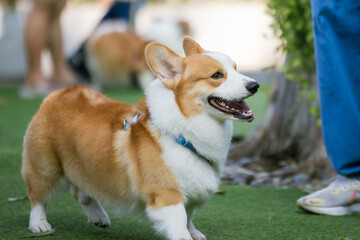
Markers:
point(115, 55)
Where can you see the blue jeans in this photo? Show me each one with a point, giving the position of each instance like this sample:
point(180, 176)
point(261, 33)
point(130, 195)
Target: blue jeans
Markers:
point(337, 53)
point(118, 10)
point(123, 10)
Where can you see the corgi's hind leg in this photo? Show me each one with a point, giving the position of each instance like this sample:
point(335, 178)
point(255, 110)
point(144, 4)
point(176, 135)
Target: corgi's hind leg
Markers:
point(41, 183)
point(38, 222)
point(93, 210)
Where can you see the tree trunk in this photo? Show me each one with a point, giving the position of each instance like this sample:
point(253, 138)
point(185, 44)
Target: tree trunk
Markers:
point(287, 132)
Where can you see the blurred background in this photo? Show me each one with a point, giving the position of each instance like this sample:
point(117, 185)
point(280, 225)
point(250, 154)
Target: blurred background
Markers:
point(270, 40)
point(240, 29)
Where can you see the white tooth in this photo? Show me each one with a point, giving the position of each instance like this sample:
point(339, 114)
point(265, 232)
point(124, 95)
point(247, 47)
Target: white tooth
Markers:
point(233, 109)
point(223, 104)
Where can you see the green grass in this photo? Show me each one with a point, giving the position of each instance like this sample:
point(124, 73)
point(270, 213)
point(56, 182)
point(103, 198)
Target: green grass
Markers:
point(241, 213)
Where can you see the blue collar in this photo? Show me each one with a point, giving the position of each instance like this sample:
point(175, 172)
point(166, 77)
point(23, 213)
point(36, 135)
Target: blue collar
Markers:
point(183, 142)
point(180, 139)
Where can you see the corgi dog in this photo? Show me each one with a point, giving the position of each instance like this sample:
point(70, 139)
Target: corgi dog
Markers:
point(160, 159)
point(115, 56)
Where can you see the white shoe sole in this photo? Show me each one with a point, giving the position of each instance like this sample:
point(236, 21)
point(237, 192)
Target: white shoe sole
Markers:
point(334, 211)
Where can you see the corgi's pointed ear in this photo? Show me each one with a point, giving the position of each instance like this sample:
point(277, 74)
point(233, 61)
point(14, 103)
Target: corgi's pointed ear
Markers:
point(191, 47)
point(165, 64)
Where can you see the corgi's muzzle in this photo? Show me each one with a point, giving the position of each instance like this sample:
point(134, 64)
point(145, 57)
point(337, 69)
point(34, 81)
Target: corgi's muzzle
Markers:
point(238, 108)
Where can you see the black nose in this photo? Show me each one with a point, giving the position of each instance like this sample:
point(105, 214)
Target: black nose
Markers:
point(252, 87)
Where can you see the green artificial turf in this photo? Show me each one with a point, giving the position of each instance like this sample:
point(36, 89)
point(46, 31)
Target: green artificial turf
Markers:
point(241, 213)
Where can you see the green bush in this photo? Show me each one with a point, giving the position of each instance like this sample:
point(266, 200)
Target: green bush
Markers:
point(293, 26)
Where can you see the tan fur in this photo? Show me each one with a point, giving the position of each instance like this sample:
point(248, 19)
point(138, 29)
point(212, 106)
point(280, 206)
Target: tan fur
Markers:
point(118, 54)
point(191, 47)
point(201, 86)
point(79, 134)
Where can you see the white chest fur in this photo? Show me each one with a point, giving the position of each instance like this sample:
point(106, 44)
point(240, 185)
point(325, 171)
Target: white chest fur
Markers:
point(197, 179)
point(211, 137)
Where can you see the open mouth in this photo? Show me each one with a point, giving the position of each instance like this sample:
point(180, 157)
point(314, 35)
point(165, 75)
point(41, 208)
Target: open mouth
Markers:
point(237, 108)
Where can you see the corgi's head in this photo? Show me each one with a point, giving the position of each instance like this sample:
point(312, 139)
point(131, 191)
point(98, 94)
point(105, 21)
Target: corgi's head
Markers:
point(202, 81)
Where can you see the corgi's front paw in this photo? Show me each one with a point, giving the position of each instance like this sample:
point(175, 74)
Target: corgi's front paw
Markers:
point(185, 235)
point(99, 218)
point(94, 211)
point(39, 226)
point(197, 235)
point(183, 238)
point(102, 223)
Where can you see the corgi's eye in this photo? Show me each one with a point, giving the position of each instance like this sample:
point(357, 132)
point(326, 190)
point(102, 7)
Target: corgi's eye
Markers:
point(217, 75)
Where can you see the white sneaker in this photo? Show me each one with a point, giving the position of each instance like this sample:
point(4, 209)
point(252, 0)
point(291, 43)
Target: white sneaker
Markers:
point(341, 197)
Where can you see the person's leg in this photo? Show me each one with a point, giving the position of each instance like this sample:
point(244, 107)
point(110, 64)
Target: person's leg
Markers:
point(337, 53)
point(35, 41)
point(62, 73)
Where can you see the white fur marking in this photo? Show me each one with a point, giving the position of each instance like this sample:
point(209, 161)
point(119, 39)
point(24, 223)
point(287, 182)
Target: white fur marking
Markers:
point(170, 221)
point(211, 137)
point(235, 85)
point(38, 222)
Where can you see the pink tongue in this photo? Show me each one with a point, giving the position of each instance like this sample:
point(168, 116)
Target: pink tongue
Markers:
point(240, 105)
point(244, 108)
point(244, 105)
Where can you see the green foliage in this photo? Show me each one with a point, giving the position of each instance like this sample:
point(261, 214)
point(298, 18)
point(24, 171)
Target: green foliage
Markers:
point(293, 26)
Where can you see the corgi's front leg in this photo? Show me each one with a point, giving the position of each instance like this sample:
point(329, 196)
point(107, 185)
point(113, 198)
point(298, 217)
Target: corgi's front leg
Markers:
point(195, 234)
point(170, 221)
